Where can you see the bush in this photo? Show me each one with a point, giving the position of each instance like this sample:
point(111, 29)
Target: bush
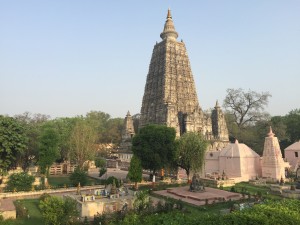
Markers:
point(44, 196)
point(111, 179)
point(58, 211)
point(20, 182)
point(102, 171)
point(100, 163)
point(79, 176)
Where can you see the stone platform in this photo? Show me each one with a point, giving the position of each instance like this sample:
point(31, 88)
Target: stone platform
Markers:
point(209, 196)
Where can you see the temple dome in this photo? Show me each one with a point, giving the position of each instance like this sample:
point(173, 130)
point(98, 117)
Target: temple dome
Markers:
point(238, 150)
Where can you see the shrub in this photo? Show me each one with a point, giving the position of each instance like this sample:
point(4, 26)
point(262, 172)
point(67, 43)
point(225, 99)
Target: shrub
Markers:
point(111, 179)
point(102, 171)
point(58, 211)
point(79, 176)
point(20, 182)
point(44, 196)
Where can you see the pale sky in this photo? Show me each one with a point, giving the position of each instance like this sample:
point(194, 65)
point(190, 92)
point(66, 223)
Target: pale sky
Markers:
point(68, 57)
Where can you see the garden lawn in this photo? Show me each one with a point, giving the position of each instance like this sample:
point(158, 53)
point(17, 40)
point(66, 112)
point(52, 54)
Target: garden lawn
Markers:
point(35, 217)
point(60, 181)
point(253, 190)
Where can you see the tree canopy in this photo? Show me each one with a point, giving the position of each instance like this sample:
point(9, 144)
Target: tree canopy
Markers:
point(135, 172)
point(82, 142)
point(246, 107)
point(154, 145)
point(48, 148)
point(191, 148)
point(13, 141)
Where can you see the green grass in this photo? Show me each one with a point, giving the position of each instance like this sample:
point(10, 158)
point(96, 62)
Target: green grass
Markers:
point(253, 190)
point(35, 216)
point(60, 181)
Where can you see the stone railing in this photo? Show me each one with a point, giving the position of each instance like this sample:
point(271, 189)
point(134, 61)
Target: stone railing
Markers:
point(24, 194)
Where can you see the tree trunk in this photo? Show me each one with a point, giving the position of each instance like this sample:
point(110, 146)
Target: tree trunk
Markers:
point(188, 176)
point(136, 185)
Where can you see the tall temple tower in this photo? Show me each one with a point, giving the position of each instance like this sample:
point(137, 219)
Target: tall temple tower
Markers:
point(170, 95)
point(273, 165)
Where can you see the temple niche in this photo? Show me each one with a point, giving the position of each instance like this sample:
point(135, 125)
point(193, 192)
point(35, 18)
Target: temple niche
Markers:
point(170, 96)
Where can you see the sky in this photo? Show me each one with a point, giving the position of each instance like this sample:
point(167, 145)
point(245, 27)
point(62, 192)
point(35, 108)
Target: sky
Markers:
point(67, 57)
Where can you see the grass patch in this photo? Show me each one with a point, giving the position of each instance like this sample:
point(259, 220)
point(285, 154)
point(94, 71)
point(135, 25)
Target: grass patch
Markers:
point(253, 190)
point(35, 216)
point(60, 181)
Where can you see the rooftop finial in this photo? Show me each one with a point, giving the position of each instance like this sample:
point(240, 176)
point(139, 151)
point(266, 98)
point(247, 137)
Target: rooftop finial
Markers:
point(169, 14)
point(128, 113)
point(271, 134)
point(217, 104)
point(169, 29)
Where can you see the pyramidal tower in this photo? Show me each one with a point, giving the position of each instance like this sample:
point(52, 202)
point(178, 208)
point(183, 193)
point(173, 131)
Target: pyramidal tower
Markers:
point(273, 165)
point(170, 96)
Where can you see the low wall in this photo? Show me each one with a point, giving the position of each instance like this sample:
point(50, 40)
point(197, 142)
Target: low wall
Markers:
point(9, 214)
point(291, 193)
point(48, 191)
point(217, 183)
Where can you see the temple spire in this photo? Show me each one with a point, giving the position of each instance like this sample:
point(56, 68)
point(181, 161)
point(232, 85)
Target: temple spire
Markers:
point(271, 134)
point(169, 29)
point(217, 104)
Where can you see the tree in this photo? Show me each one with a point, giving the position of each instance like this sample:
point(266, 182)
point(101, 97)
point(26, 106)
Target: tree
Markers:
point(13, 141)
point(82, 143)
point(58, 211)
point(32, 124)
point(154, 145)
point(64, 127)
point(20, 182)
point(292, 121)
point(48, 149)
point(246, 107)
point(191, 148)
point(135, 172)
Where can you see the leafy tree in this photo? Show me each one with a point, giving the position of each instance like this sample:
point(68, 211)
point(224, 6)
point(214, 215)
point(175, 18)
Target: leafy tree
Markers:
point(82, 143)
point(13, 141)
point(58, 211)
point(246, 107)
point(32, 124)
point(48, 148)
point(135, 172)
point(191, 148)
point(20, 182)
point(79, 176)
point(154, 145)
point(292, 121)
point(64, 127)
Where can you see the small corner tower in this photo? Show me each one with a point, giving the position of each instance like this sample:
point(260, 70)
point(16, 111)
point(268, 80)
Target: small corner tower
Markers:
point(128, 130)
point(219, 126)
point(273, 165)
